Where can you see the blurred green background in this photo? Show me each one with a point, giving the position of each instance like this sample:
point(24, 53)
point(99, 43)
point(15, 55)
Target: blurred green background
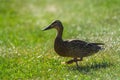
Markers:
point(26, 52)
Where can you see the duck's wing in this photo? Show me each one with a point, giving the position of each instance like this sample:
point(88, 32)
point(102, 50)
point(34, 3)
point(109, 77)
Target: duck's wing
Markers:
point(96, 46)
point(81, 44)
point(75, 43)
point(76, 46)
point(82, 47)
point(97, 43)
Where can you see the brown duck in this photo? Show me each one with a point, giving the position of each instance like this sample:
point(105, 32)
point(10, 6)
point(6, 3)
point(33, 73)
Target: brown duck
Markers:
point(77, 49)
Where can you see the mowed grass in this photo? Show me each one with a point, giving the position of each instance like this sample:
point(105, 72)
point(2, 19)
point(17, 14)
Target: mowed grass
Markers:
point(26, 52)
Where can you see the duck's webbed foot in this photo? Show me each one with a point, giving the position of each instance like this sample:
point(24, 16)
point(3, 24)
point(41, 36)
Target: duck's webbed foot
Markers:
point(74, 60)
point(70, 61)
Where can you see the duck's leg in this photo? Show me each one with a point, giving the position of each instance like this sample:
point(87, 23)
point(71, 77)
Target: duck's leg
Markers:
point(70, 61)
point(80, 59)
point(76, 61)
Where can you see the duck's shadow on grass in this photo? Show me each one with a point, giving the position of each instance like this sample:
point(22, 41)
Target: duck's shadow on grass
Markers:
point(91, 67)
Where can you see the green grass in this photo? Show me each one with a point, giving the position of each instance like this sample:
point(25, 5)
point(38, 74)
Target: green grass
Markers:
point(26, 52)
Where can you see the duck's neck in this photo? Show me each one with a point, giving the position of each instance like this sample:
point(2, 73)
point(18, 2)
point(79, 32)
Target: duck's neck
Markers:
point(59, 34)
point(59, 31)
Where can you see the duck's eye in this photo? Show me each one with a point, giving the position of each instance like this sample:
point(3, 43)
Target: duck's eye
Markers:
point(54, 24)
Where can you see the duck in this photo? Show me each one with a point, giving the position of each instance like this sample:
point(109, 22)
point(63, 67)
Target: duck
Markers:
point(76, 49)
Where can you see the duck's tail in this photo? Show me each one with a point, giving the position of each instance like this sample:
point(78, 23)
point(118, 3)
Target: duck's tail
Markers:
point(97, 43)
point(100, 45)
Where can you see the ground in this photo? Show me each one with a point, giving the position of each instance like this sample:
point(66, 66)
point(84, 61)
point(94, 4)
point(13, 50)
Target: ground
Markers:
point(26, 52)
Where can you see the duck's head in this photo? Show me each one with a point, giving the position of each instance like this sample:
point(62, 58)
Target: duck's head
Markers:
point(55, 24)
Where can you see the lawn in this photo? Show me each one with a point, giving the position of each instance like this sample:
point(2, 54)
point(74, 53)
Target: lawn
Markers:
point(26, 52)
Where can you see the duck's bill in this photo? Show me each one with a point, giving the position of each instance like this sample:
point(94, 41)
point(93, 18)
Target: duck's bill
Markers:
point(47, 28)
